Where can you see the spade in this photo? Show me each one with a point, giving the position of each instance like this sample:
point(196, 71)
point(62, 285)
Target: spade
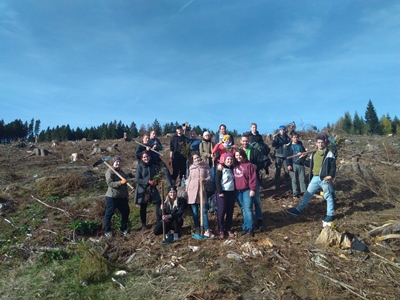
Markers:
point(104, 160)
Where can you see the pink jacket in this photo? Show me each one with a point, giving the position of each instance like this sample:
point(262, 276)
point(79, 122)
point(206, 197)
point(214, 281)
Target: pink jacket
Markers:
point(196, 172)
point(245, 176)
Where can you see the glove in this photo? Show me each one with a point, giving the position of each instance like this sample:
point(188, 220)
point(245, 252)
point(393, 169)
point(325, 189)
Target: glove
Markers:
point(170, 161)
point(123, 181)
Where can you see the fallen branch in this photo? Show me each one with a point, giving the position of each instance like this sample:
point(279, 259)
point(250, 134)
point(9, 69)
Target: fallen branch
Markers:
point(386, 260)
point(346, 286)
point(40, 201)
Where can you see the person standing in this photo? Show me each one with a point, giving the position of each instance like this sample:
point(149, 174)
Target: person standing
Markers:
point(296, 165)
point(245, 185)
point(220, 135)
point(199, 175)
point(194, 141)
point(177, 154)
point(280, 142)
point(116, 198)
point(225, 196)
point(254, 156)
point(206, 147)
point(322, 172)
point(146, 191)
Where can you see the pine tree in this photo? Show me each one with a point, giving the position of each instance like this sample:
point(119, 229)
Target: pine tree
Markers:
point(156, 127)
point(358, 124)
point(347, 125)
point(371, 119)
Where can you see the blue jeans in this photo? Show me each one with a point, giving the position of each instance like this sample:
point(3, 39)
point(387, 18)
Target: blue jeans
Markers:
point(195, 214)
point(246, 203)
point(257, 202)
point(314, 185)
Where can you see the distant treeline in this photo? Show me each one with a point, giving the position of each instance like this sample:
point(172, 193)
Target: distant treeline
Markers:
point(19, 130)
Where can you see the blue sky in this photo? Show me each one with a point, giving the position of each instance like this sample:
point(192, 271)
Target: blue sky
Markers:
point(85, 63)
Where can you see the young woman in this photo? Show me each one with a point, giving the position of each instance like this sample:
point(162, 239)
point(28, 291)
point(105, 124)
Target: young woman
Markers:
point(146, 191)
point(245, 184)
point(206, 147)
point(199, 173)
point(225, 184)
point(116, 198)
point(173, 214)
point(224, 146)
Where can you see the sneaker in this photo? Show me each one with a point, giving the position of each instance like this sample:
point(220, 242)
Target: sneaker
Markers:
point(251, 233)
point(295, 196)
point(143, 228)
point(293, 212)
point(208, 234)
point(221, 235)
point(231, 234)
point(244, 232)
point(108, 234)
point(124, 233)
point(328, 219)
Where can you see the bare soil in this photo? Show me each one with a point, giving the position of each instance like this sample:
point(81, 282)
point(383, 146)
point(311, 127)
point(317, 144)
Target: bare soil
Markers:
point(42, 196)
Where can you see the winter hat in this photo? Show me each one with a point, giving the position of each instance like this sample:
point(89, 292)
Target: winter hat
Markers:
point(172, 188)
point(205, 133)
point(283, 127)
point(226, 136)
point(116, 158)
point(224, 157)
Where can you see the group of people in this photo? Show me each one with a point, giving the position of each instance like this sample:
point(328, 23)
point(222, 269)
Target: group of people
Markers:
point(232, 172)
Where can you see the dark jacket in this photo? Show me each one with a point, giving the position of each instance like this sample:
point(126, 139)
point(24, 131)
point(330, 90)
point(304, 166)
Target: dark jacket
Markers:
point(159, 147)
point(279, 143)
point(256, 158)
point(290, 152)
point(145, 173)
point(176, 212)
point(328, 165)
point(176, 144)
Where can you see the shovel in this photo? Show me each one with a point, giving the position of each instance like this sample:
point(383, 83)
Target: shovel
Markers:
point(149, 147)
point(104, 160)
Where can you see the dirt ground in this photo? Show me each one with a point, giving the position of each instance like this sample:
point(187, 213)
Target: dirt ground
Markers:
point(294, 259)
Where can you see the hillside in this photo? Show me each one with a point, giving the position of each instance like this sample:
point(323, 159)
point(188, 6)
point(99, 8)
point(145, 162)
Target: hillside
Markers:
point(52, 243)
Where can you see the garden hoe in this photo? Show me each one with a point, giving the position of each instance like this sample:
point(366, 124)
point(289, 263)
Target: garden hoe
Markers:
point(104, 160)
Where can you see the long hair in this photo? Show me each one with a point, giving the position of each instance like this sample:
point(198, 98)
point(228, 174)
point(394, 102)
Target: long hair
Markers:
point(243, 155)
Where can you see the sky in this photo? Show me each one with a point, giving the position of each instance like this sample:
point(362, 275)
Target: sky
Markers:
point(85, 63)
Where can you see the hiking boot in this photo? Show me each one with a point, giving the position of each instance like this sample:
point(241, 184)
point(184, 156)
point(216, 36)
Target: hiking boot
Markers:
point(108, 234)
point(124, 232)
point(208, 234)
point(251, 233)
point(244, 232)
point(293, 212)
point(260, 225)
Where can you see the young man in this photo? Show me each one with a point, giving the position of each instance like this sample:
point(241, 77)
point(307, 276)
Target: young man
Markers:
point(296, 165)
point(176, 158)
point(279, 142)
point(322, 172)
point(257, 141)
point(194, 141)
point(220, 135)
point(254, 156)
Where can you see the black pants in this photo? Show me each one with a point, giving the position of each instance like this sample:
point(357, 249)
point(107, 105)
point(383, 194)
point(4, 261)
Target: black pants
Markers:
point(170, 224)
point(178, 168)
point(116, 203)
point(143, 212)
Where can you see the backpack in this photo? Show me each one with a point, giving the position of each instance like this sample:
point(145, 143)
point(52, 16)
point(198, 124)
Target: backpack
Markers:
point(212, 204)
point(264, 150)
point(332, 145)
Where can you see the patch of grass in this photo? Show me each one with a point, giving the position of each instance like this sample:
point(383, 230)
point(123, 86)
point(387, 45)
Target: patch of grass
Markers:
point(85, 227)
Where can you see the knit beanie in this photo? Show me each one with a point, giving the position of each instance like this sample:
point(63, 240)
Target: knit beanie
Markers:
point(226, 136)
